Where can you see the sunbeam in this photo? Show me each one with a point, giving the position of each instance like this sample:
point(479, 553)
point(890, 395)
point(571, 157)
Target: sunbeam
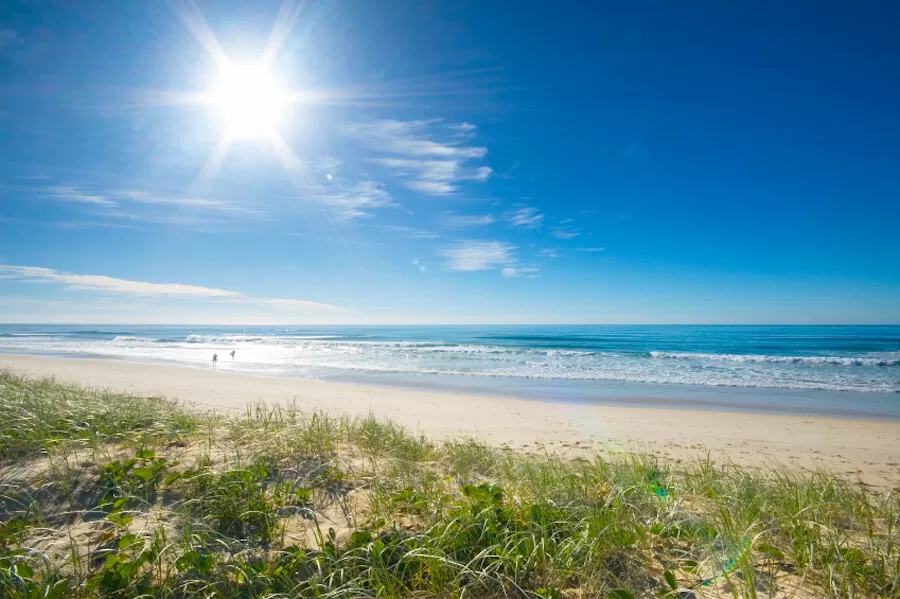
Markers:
point(281, 31)
point(190, 15)
point(211, 168)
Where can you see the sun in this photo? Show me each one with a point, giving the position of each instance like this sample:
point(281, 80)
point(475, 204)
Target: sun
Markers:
point(247, 97)
point(250, 100)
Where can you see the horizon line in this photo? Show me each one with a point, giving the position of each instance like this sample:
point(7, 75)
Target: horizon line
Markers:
point(463, 324)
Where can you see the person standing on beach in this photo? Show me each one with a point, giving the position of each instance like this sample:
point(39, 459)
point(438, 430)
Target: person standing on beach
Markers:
point(232, 354)
point(215, 359)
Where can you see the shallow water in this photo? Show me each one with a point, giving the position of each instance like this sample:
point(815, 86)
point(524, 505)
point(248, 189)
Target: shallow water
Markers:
point(808, 369)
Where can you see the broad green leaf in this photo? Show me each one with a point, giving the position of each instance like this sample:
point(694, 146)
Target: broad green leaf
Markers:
point(144, 473)
point(670, 579)
point(120, 519)
point(58, 591)
point(24, 571)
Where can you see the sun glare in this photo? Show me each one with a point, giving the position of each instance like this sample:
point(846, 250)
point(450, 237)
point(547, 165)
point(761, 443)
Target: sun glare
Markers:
point(250, 101)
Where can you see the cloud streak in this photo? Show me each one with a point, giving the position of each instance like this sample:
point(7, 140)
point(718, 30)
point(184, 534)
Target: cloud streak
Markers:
point(408, 138)
point(465, 221)
point(515, 271)
point(38, 274)
point(561, 233)
point(413, 232)
point(433, 177)
point(147, 207)
point(356, 200)
point(526, 216)
point(471, 255)
point(67, 193)
point(419, 156)
point(145, 197)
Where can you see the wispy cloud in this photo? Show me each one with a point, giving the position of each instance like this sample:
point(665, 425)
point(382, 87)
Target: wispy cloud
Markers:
point(420, 156)
point(591, 250)
point(464, 127)
point(561, 233)
point(525, 216)
point(356, 200)
point(90, 224)
point(68, 193)
point(471, 255)
point(38, 274)
point(409, 138)
point(454, 220)
point(412, 232)
point(433, 177)
point(147, 206)
point(549, 253)
point(203, 222)
point(523, 271)
point(104, 283)
point(509, 172)
point(146, 197)
point(482, 173)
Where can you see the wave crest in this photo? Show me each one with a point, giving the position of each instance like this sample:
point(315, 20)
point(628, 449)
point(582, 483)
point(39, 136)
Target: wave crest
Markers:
point(807, 360)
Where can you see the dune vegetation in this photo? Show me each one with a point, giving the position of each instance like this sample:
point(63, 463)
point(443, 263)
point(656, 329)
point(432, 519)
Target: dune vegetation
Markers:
point(104, 494)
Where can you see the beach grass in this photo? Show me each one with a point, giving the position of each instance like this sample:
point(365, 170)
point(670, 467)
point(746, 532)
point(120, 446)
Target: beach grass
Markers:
point(105, 494)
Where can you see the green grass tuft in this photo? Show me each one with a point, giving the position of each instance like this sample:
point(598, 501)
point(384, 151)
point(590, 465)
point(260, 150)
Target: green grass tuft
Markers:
point(106, 494)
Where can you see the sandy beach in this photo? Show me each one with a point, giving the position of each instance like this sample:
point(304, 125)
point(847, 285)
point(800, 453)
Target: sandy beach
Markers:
point(869, 449)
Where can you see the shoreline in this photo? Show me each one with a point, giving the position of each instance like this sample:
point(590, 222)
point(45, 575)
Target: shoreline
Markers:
point(854, 447)
point(630, 394)
point(719, 398)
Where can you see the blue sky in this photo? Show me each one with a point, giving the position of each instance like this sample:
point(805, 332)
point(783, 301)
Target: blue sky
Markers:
point(459, 162)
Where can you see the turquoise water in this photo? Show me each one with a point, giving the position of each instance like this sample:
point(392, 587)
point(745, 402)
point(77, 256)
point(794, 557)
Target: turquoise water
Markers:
point(858, 365)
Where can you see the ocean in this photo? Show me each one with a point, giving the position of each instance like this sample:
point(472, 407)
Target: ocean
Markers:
point(801, 369)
